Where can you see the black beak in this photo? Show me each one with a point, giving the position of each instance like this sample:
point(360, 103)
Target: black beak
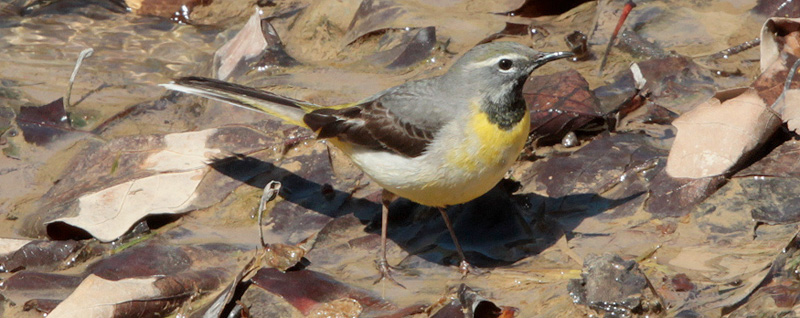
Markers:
point(544, 58)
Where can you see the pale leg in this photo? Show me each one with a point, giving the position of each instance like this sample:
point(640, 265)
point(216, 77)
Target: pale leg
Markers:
point(463, 266)
point(383, 265)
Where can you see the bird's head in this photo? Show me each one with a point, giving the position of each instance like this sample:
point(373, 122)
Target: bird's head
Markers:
point(495, 72)
point(498, 64)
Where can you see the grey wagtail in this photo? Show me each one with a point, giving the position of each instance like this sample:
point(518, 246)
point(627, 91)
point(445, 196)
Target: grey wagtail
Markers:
point(438, 141)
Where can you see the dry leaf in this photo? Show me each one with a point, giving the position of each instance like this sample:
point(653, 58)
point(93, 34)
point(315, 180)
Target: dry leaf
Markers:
point(674, 197)
point(780, 35)
point(108, 213)
point(713, 137)
point(771, 42)
point(42, 255)
point(98, 297)
point(43, 124)
point(307, 290)
point(247, 44)
point(559, 103)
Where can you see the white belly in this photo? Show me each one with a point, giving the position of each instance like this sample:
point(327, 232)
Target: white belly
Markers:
point(425, 181)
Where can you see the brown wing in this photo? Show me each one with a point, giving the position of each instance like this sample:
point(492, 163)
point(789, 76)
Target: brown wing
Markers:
point(371, 125)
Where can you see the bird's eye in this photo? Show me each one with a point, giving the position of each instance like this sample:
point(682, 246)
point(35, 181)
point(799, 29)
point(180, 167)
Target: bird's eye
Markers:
point(505, 64)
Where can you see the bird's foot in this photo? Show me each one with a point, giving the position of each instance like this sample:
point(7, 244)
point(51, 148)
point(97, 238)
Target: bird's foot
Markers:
point(386, 272)
point(466, 268)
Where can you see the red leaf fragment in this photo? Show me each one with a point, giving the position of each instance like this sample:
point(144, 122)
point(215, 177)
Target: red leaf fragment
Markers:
point(43, 124)
point(559, 103)
point(306, 289)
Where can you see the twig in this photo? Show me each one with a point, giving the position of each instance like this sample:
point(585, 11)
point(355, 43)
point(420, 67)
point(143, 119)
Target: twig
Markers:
point(736, 49)
point(625, 11)
point(84, 54)
point(270, 193)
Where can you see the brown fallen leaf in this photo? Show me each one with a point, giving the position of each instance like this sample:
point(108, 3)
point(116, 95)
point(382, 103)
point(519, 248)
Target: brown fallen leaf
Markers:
point(605, 162)
point(25, 286)
point(308, 290)
point(40, 255)
point(655, 90)
point(676, 82)
point(98, 297)
point(775, 33)
point(114, 185)
point(674, 197)
point(715, 136)
point(247, 44)
point(781, 40)
point(257, 42)
point(559, 103)
point(43, 124)
point(138, 296)
point(108, 213)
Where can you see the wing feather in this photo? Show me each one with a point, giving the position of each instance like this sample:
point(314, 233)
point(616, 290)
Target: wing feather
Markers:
point(371, 125)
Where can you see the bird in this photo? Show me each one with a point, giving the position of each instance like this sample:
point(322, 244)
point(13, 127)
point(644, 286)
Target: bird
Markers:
point(438, 141)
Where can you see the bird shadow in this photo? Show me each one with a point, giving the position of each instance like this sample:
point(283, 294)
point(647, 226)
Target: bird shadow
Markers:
point(496, 229)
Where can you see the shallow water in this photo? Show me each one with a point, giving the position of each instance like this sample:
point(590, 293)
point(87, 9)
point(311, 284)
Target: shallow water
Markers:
point(532, 242)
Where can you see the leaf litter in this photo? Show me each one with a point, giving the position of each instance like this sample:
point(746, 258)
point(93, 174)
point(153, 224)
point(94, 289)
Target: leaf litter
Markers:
point(160, 196)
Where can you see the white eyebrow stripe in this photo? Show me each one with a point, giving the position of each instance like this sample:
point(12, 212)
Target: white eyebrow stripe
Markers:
point(492, 61)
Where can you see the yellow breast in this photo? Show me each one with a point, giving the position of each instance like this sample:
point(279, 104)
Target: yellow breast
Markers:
point(466, 161)
point(489, 146)
point(495, 141)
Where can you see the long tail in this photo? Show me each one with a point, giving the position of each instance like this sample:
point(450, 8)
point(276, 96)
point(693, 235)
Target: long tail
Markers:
point(287, 109)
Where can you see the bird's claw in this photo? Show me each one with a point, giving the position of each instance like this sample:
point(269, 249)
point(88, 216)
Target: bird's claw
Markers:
point(386, 272)
point(466, 268)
